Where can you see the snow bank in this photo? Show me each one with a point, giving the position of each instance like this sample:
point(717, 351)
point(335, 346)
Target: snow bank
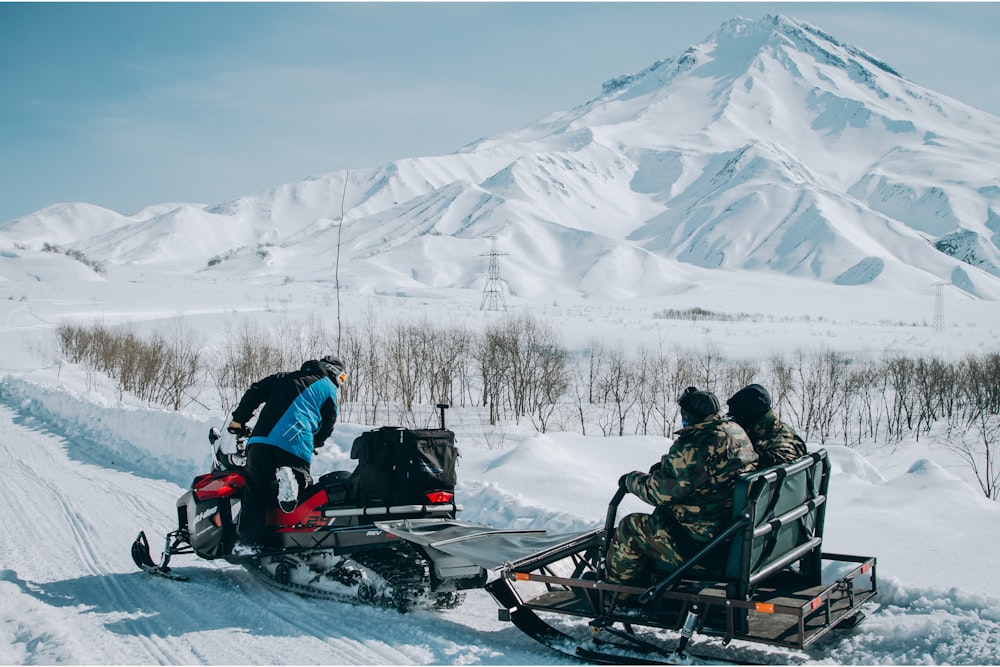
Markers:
point(147, 441)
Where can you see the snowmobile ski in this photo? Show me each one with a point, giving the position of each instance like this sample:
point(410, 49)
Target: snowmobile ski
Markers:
point(163, 572)
point(141, 557)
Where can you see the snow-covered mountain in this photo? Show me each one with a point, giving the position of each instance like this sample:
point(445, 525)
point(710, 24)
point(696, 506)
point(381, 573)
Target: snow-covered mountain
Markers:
point(769, 147)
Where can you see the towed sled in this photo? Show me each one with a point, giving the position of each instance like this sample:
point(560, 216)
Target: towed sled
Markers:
point(328, 546)
point(765, 579)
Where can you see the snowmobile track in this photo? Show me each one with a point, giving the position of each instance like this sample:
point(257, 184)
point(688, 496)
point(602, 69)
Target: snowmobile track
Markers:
point(405, 572)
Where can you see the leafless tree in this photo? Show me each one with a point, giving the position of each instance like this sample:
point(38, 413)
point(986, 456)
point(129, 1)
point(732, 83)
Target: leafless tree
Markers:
point(901, 401)
point(622, 386)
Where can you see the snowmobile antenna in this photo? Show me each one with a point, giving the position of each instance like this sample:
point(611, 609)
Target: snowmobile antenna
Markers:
point(442, 406)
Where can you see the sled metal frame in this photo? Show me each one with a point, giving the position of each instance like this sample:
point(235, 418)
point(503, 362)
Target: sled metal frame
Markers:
point(760, 580)
point(779, 616)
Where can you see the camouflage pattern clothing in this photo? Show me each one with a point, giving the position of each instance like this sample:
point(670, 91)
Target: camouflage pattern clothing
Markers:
point(774, 441)
point(693, 493)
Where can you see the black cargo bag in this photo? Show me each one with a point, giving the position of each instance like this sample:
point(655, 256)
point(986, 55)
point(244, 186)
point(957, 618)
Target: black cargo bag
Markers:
point(397, 466)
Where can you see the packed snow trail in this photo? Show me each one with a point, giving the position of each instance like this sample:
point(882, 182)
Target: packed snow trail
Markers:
point(70, 593)
point(67, 578)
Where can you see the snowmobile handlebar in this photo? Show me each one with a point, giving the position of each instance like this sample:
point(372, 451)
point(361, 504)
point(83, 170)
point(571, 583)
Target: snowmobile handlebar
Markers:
point(223, 461)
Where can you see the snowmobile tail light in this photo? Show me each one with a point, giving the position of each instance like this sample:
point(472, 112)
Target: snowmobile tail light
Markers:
point(208, 487)
point(438, 497)
point(764, 607)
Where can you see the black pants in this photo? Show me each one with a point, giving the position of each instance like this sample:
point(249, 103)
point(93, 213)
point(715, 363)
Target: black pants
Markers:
point(261, 493)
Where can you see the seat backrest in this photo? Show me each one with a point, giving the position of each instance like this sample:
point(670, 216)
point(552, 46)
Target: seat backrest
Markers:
point(786, 507)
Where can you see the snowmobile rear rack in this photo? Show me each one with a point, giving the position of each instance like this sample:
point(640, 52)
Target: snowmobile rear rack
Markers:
point(764, 579)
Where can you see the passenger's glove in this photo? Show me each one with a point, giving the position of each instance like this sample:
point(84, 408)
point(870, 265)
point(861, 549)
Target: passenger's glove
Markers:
point(238, 429)
point(623, 482)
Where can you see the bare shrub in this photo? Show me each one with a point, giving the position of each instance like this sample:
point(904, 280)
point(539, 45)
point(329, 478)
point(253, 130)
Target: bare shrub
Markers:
point(523, 368)
point(163, 369)
point(974, 430)
point(246, 355)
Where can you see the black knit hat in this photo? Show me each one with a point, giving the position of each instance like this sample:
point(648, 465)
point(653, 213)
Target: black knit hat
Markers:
point(696, 404)
point(749, 404)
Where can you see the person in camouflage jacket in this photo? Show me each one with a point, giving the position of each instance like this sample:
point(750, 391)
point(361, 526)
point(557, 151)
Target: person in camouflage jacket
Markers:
point(774, 441)
point(691, 488)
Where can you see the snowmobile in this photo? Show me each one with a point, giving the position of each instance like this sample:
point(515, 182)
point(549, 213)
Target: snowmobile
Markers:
point(328, 546)
point(765, 579)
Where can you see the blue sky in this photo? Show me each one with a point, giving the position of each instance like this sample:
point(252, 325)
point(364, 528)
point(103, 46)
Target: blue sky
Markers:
point(127, 105)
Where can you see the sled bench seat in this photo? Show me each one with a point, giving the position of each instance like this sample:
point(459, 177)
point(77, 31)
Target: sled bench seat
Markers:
point(777, 521)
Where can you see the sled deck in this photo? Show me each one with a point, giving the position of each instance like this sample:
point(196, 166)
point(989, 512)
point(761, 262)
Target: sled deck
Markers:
point(764, 579)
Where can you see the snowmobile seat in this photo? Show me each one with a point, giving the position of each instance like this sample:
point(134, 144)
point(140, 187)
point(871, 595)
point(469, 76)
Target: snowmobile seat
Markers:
point(335, 485)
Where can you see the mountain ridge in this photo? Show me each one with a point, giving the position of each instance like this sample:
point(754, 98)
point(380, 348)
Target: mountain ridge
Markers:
point(769, 146)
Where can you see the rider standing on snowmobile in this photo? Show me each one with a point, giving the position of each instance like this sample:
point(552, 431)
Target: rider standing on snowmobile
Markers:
point(774, 441)
point(691, 488)
point(300, 409)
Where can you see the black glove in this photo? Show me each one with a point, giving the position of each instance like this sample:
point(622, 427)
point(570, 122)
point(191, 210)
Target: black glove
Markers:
point(622, 482)
point(655, 468)
point(238, 429)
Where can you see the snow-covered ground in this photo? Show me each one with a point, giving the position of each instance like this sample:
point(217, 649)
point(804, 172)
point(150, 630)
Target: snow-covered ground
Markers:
point(668, 192)
point(85, 470)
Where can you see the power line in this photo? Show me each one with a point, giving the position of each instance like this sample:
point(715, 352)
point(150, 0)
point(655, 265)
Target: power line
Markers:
point(939, 306)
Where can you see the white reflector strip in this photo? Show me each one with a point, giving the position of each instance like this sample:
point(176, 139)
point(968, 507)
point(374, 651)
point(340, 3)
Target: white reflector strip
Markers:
point(396, 509)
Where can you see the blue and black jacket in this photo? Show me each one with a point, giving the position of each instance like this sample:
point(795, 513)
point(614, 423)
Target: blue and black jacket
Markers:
point(300, 409)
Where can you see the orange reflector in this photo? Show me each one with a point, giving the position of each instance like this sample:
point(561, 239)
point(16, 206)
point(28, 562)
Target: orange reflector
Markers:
point(522, 576)
point(764, 607)
point(815, 604)
point(865, 568)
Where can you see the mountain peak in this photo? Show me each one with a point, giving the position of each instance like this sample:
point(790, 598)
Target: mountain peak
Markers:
point(742, 40)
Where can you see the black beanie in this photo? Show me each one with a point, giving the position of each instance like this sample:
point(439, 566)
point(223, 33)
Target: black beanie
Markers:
point(749, 404)
point(697, 404)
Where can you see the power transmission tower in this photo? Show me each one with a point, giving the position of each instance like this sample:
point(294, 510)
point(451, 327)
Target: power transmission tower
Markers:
point(939, 306)
point(493, 298)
